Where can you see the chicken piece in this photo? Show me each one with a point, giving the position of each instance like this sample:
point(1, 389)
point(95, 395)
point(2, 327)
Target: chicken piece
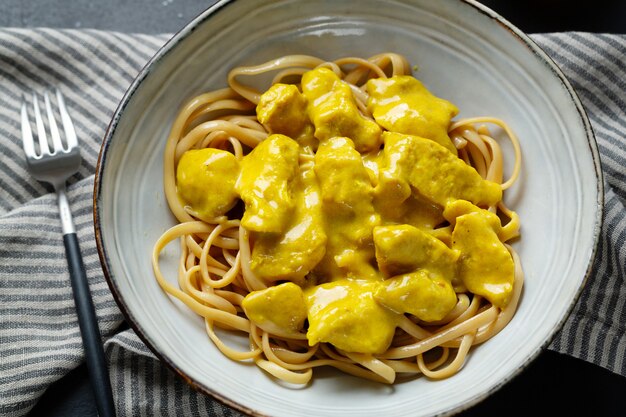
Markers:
point(282, 109)
point(394, 198)
point(334, 111)
point(403, 248)
point(291, 255)
point(402, 104)
point(345, 314)
point(486, 267)
point(205, 181)
point(435, 173)
point(424, 294)
point(458, 208)
point(266, 184)
point(277, 309)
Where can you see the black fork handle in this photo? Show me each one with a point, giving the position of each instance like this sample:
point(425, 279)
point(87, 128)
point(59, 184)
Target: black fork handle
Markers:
point(90, 332)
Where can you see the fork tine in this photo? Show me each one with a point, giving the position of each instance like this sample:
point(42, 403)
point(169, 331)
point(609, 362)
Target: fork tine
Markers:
point(27, 134)
point(54, 130)
point(68, 126)
point(41, 129)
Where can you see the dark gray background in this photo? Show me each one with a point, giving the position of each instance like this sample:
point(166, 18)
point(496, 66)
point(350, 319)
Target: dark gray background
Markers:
point(553, 385)
point(160, 16)
point(140, 16)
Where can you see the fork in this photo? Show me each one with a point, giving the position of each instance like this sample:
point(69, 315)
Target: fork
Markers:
point(55, 166)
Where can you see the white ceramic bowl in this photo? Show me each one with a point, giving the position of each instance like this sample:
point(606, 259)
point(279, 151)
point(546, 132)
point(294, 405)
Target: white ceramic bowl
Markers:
point(466, 54)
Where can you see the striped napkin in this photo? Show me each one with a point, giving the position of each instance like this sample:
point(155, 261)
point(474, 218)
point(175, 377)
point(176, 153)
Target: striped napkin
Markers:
point(39, 336)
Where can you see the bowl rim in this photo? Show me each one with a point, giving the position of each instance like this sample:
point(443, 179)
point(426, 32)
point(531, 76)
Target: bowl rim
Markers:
point(185, 31)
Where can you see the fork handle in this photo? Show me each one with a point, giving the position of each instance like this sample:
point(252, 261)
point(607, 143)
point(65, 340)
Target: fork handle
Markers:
point(90, 332)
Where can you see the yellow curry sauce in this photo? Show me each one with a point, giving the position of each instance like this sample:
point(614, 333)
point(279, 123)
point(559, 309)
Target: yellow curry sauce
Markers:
point(355, 222)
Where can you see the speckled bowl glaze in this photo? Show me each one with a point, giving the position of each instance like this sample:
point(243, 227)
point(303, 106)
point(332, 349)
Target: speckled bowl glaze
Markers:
point(465, 53)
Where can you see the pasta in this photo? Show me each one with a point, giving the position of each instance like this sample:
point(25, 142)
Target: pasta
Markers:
point(221, 264)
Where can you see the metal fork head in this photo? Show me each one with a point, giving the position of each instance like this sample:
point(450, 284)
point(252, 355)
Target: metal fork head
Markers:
point(50, 162)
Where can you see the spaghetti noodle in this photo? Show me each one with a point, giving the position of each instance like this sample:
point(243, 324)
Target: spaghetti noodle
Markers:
point(215, 273)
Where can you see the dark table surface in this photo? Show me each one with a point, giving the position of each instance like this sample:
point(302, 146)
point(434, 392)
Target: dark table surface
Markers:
point(553, 384)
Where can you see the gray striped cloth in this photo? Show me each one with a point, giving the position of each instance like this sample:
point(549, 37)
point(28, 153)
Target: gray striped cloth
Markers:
point(39, 337)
